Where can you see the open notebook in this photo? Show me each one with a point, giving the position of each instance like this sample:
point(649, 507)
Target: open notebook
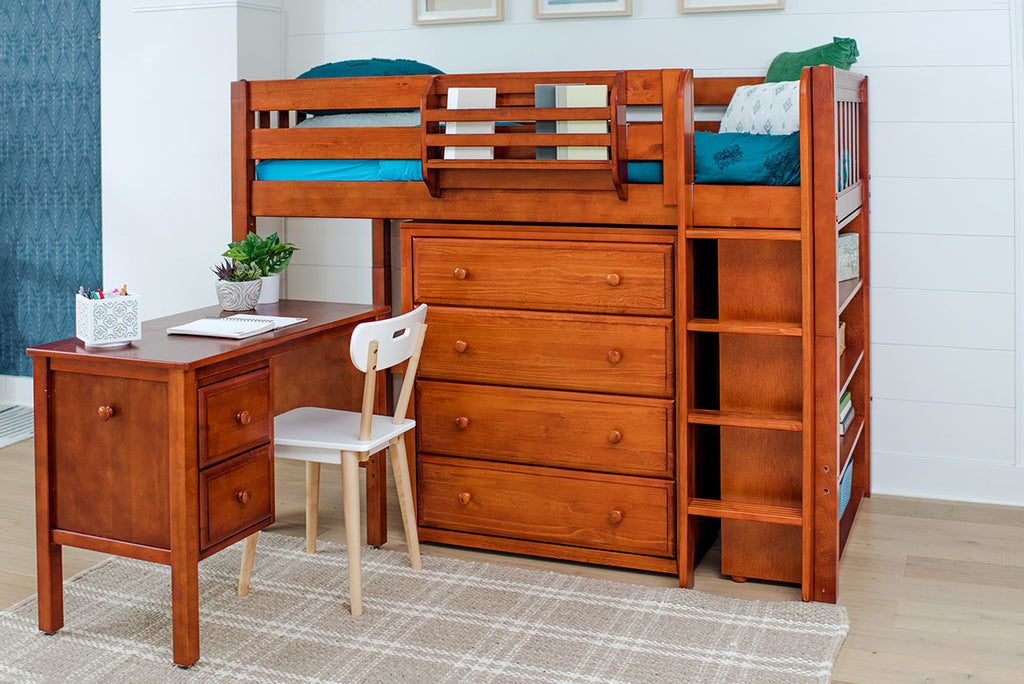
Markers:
point(234, 327)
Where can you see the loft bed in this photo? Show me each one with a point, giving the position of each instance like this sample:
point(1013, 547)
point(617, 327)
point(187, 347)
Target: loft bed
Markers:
point(655, 123)
point(267, 118)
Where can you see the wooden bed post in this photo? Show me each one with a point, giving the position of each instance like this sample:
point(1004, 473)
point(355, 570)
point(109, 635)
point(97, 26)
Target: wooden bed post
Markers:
point(243, 171)
point(679, 153)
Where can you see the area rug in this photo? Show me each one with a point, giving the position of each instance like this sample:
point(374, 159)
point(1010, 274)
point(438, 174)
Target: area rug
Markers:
point(453, 621)
point(15, 424)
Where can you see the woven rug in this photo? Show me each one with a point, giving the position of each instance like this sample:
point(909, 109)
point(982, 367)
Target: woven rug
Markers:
point(454, 621)
point(16, 424)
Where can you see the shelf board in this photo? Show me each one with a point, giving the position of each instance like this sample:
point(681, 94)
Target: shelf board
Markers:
point(744, 327)
point(782, 515)
point(849, 362)
point(743, 234)
point(846, 290)
point(766, 421)
point(848, 442)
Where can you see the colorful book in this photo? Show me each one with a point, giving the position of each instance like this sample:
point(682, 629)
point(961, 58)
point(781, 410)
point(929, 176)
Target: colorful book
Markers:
point(575, 95)
point(470, 98)
point(846, 422)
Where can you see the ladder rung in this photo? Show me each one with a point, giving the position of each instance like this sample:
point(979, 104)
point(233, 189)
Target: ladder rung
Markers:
point(782, 515)
point(744, 327)
point(748, 420)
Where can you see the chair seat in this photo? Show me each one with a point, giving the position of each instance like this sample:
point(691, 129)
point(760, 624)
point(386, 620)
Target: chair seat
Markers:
point(322, 428)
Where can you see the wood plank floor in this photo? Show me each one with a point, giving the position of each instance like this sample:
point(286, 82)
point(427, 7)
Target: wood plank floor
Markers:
point(934, 590)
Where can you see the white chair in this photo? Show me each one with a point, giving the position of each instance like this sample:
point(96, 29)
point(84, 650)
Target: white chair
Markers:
point(320, 435)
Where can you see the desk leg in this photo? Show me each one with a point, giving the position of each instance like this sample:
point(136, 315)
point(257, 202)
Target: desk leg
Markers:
point(376, 501)
point(49, 556)
point(183, 473)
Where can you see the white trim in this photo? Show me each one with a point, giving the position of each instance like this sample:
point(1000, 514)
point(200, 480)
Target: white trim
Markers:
point(16, 389)
point(211, 5)
point(953, 480)
point(1017, 88)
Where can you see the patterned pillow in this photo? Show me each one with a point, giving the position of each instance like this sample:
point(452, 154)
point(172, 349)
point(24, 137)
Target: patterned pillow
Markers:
point(765, 109)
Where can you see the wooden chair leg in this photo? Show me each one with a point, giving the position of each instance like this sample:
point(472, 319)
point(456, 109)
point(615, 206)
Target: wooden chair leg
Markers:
point(312, 503)
point(400, 464)
point(350, 493)
point(248, 556)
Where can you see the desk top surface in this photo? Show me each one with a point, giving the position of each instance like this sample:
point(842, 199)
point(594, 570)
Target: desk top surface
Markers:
point(157, 348)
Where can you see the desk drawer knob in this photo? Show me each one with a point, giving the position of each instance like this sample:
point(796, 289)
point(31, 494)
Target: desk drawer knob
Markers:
point(243, 417)
point(614, 356)
point(459, 273)
point(462, 422)
point(105, 412)
point(464, 498)
point(615, 517)
point(614, 436)
point(613, 279)
point(244, 496)
point(461, 346)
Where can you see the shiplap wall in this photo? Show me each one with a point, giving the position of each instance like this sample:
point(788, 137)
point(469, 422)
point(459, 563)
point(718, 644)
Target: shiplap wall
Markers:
point(941, 73)
point(942, 155)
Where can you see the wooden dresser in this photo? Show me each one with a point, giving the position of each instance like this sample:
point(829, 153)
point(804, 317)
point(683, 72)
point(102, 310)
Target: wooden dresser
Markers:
point(545, 399)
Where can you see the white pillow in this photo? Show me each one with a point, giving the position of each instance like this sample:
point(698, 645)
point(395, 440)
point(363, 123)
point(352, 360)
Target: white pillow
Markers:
point(765, 109)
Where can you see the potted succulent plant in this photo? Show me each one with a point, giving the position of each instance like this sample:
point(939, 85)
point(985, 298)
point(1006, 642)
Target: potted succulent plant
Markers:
point(238, 285)
point(269, 255)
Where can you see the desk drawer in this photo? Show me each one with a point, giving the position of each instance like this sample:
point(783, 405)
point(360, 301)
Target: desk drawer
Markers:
point(613, 512)
point(607, 433)
point(234, 495)
point(557, 275)
point(584, 352)
point(234, 416)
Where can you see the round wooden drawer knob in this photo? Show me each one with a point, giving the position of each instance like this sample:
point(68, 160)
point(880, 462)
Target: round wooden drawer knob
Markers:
point(461, 346)
point(614, 356)
point(464, 498)
point(614, 436)
point(613, 279)
point(244, 496)
point(462, 422)
point(243, 417)
point(459, 273)
point(105, 412)
point(615, 517)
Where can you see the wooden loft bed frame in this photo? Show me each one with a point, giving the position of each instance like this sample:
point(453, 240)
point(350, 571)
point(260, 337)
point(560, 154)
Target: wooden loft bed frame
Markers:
point(516, 189)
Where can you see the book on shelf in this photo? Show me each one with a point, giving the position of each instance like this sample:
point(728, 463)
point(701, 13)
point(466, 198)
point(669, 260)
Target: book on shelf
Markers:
point(236, 327)
point(577, 95)
point(846, 421)
point(845, 402)
point(544, 98)
point(470, 98)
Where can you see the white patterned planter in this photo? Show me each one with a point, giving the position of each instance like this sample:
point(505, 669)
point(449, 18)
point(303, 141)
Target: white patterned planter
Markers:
point(240, 296)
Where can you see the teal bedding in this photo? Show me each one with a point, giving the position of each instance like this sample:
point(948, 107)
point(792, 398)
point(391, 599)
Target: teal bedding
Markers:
point(719, 159)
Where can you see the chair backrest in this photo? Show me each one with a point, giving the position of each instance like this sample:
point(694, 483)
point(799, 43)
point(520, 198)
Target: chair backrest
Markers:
point(395, 338)
point(377, 345)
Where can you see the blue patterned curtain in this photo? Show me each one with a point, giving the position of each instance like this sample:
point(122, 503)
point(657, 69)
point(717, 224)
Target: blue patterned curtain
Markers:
point(50, 228)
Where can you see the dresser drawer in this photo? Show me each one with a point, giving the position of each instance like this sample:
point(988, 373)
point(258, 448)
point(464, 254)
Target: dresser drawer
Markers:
point(597, 432)
point(558, 275)
point(234, 416)
point(235, 495)
point(585, 352)
point(617, 513)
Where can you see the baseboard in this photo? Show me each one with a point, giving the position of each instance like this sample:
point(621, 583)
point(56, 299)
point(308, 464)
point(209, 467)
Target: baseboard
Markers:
point(947, 479)
point(15, 389)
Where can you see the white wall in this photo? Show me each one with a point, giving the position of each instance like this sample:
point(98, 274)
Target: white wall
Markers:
point(165, 71)
point(944, 222)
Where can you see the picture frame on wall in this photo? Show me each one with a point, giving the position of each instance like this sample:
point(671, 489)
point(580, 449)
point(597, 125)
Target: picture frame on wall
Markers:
point(729, 5)
point(545, 9)
point(454, 11)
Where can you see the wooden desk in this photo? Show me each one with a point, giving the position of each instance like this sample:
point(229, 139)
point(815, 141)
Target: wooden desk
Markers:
point(162, 450)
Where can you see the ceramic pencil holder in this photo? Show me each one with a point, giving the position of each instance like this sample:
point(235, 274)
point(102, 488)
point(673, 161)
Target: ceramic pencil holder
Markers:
point(110, 322)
